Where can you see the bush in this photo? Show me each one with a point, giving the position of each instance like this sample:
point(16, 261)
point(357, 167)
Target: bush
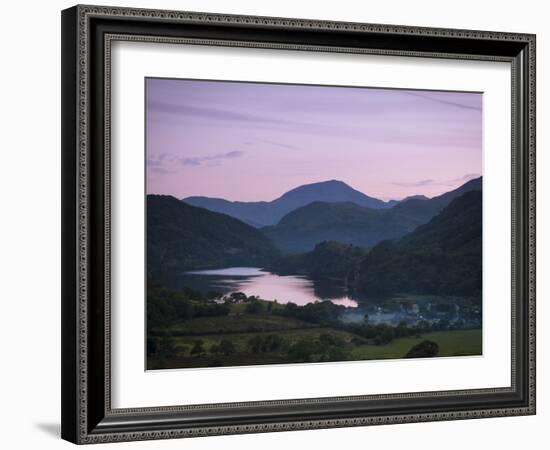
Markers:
point(337, 354)
point(269, 343)
point(302, 350)
point(387, 335)
point(426, 349)
point(227, 347)
point(198, 348)
point(254, 307)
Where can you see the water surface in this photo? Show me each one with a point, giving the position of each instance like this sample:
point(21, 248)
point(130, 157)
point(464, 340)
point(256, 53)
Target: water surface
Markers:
point(297, 289)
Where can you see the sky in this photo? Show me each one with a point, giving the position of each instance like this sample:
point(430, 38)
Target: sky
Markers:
point(255, 141)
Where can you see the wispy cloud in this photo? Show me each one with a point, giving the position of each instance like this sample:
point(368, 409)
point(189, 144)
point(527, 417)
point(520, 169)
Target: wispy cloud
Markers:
point(212, 113)
point(207, 115)
point(198, 160)
point(154, 162)
point(443, 101)
point(158, 160)
point(464, 178)
point(160, 170)
point(415, 183)
point(431, 182)
point(272, 143)
point(319, 122)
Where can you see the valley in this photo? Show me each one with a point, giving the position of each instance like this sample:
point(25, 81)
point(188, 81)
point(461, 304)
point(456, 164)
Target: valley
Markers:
point(330, 281)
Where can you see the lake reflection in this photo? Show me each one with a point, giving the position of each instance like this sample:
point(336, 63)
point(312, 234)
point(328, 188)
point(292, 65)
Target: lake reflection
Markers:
point(266, 285)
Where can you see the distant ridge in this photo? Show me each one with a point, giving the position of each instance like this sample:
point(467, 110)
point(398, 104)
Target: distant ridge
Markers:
point(260, 214)
point(392, 203)
point(348, 223)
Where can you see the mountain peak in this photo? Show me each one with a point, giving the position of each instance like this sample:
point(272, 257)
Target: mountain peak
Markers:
point(259, 214)
point(334, 181)
point(321, 185)
point(327, 191)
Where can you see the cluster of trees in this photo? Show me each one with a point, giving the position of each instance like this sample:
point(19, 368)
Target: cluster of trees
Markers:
point(382, 333)
point(225, 347)
point(166, 306)
point(327, 314)
point(329, 347)
point(329, 259)
point(322, 313)
point(164, 347)
point(265, 344)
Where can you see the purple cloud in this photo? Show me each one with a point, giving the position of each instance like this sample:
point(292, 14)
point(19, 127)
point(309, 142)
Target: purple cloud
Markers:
point(198, 160)
point(160, 170)
point(415, 183)
point(430, 182)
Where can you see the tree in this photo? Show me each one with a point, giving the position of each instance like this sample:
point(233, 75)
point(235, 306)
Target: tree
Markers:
point(327, 339)
point(302, 350)
point(337, 354)
point(198, 348)
point(426, 349)
point(401, 330)
point(254, 307)
point(272, 342)
point(238, 297)
point(387, 335)
point(215, 349)
point(423, 325)
point(226, 347)
point(167, 347)
point(255, 344)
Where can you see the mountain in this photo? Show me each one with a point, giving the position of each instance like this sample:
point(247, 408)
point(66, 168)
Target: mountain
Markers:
point(440, 257)
point(392, 203)
point(414, 197)
point(259, 214)
point(424, 210)
point(301, 229)
point(183, 237)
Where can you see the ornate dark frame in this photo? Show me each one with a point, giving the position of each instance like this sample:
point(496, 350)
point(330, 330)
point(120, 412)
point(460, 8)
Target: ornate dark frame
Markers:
point(87, 32)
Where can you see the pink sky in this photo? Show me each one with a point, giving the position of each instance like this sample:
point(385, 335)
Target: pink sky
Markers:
point(254, 141)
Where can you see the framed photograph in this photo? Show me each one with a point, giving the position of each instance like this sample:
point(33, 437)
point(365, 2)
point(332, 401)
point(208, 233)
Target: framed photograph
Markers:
point(278, 224)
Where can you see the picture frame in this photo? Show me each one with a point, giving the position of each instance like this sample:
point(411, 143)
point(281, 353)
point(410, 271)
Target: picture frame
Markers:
point(88, 33)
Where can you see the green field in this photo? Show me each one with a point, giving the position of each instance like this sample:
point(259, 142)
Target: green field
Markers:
point(184, 332)
point(297, 342)
point(232, 324)
point(451, 343)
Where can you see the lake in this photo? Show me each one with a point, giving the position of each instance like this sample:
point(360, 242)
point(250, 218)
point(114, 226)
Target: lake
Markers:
point(302, 290)
point(266, 285)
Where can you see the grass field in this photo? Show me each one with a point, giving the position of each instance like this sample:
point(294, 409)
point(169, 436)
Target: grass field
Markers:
point(323, 344)
point(246, 323)
point(451, 343)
